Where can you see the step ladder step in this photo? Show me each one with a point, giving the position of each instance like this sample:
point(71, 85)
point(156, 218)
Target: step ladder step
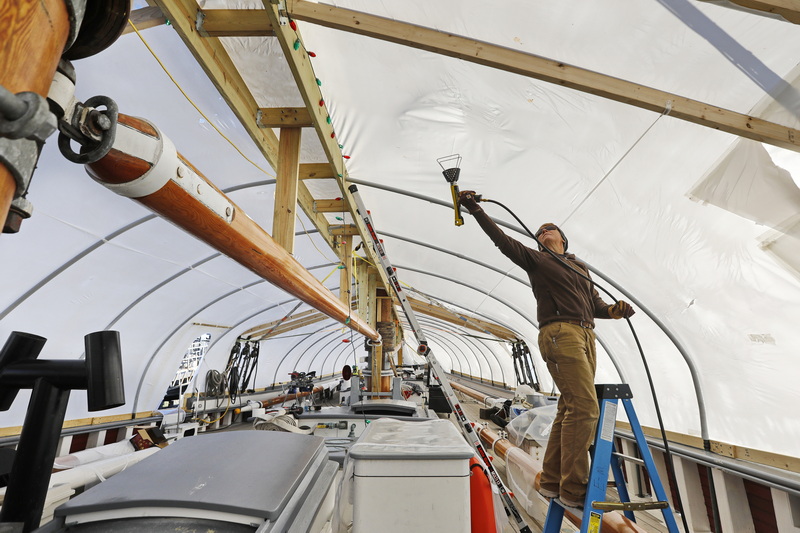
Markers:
point(629, 506)
point(630, 458)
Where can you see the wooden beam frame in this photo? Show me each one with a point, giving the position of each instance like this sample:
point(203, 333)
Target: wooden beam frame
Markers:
point(315, 171)
point(348, 229)
point(283, 117)
point(144, 18)
point(234, 23)
point(788, 9)
point(217, 64)
point(293, 325)
point(548, 70)
point(472, 323)
point(286, 187)
point(329, 206)
point(300, 65)
point(268, 325)
point(346, 273)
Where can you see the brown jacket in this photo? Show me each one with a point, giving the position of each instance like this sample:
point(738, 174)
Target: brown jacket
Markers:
point(560, 293)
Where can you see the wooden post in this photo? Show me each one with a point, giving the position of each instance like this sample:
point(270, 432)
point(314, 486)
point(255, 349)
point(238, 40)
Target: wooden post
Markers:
point(399, 336)
point(367, 309)
point(385, 317)
point(366, 276)
point(34, 34)
point(346, 273)
point(286, 188)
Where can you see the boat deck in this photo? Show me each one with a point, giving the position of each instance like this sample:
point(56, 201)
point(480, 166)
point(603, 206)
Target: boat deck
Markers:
point(471, 407)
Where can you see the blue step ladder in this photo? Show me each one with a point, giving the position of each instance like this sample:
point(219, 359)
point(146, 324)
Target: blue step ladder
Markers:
point(603, 456)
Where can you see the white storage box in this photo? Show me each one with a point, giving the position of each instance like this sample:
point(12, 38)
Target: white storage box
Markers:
point(411, 476)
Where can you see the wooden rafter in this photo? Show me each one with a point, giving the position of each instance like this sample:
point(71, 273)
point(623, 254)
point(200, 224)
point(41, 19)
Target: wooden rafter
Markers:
point(545, 69)
point(283, 117)
point(315, 171)
point(215, 61)
point(347, 229)
point(300, 66)
point(473, 323)
point(329, 206)
point(261, 328)
point(234, 23)
point(295, 324)
point(788, 9)
point(144, 18)
point(284, 325)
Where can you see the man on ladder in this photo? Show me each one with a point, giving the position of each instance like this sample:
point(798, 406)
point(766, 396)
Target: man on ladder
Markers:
point(567, 305)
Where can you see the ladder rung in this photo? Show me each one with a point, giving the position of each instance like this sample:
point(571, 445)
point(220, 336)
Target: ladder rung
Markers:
point(629, 458)
point(629, 506)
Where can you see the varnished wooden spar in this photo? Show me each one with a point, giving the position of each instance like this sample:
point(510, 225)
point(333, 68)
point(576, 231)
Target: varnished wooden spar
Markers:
point(280, 399)
point(33, 34)
point(144, 165)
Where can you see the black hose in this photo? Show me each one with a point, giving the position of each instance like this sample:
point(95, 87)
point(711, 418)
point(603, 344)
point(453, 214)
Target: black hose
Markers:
point(669, 464)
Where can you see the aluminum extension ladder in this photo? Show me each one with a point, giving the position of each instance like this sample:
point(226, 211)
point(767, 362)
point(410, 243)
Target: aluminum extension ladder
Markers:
point(436, 368)
point(603, 456)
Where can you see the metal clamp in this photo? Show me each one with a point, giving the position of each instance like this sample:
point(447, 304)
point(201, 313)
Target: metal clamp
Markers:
point(25, 115)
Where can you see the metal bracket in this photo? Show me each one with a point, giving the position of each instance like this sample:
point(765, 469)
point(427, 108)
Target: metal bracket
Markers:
point(19, 210)
point(25, 115)
point(283, 13)
point(20, 157)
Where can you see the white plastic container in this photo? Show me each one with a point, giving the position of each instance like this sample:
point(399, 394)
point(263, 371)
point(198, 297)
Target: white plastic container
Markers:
point(411, 476)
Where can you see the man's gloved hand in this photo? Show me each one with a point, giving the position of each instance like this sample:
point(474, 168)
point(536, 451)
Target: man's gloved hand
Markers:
point(467, 199)
point(620, 309)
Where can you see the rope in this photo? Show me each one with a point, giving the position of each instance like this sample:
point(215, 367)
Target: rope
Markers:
point(209, 121)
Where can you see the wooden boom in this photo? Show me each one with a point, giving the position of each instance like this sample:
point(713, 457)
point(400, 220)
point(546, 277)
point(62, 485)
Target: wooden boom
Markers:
point(34, 34)
point(144, 165)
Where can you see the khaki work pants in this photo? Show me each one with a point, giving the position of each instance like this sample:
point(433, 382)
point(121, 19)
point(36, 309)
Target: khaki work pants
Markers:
point(569, 351)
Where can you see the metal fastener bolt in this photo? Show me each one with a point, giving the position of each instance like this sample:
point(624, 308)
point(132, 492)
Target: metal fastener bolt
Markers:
point(181, 171)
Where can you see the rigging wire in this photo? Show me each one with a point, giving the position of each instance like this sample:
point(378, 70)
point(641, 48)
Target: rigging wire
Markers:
point(666, 111)
point(669, 463)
